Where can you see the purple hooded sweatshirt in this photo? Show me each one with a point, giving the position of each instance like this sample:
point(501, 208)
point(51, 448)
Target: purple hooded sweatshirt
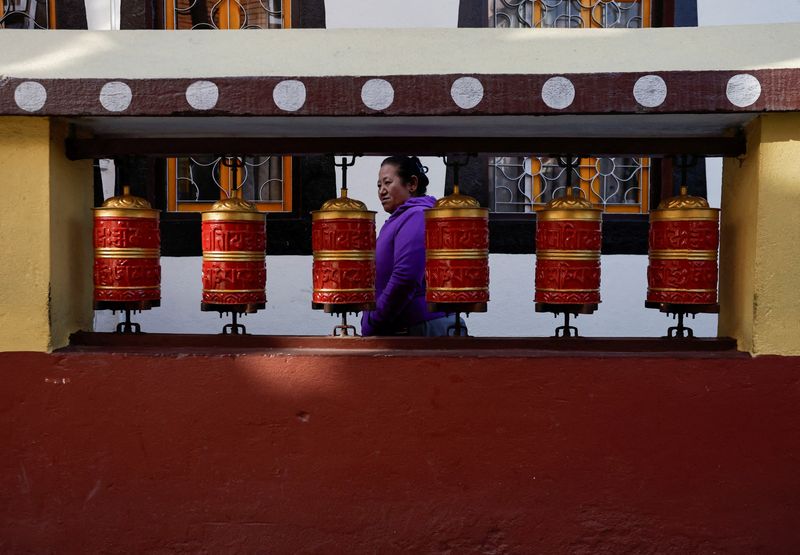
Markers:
point(400, 271)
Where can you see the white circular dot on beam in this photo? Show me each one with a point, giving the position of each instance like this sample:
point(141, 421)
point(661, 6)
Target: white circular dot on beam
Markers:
point(743, 90)
point(115, 96)
point(30, 96)
point(558, 92)
point(466, 92)
point(377, 94)
point(289, 95)
point(650, 91)
point(202, 95)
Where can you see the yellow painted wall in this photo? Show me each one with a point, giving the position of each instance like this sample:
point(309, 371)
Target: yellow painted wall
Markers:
point(71, 255)
point(43, 224)
point(760, 252)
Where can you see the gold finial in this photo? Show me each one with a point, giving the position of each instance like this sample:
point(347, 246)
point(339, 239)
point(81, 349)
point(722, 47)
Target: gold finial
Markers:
point(233, 204)
point(457, 200)
point(127, 201)
point(569, 202)
point(343, 203)
point(682, 201)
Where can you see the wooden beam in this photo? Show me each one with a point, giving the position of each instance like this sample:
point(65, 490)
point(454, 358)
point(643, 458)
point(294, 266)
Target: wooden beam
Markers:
point(100, 147)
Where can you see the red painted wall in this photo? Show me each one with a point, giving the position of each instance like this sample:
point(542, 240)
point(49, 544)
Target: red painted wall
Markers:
point(354, 454)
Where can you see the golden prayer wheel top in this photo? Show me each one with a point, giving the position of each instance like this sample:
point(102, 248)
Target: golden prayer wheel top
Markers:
point(684, 207)
point(457, 206)
point(126, 205)
point(342, 207)
point(569, 207)
point(233, 209)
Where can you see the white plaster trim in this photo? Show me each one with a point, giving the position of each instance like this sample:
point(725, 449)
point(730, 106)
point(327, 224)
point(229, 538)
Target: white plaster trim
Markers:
point(298, 53)
point(116, 96)
point(558, 92)
point(30, 96)
point(289, 95)
point(377, 94)
point(650, 91)
point(202, 95)
point(466, 92)
point(743, 90)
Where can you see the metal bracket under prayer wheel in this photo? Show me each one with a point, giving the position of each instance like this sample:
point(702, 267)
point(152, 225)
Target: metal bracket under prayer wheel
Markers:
point(127, 307)
point(566, 309)
point(235, 310)
point(680, 311)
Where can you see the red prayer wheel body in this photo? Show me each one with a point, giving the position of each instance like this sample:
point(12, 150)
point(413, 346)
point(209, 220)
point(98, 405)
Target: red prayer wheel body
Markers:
point(234, 272)
point(568, 241)
point(457, 255)
point(683, 243)
point(343, 242)
point(127, 248)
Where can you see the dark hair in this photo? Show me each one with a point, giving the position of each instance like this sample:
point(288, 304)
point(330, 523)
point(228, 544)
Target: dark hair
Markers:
point(408, 166)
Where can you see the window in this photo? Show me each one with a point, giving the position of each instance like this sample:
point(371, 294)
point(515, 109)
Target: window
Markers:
point(27, 14)
point(523, 184)
point(195, 183)
point(570, 13)
point(227, 14)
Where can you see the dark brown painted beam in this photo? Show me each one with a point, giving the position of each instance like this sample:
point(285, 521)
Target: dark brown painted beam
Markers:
point(78, 149)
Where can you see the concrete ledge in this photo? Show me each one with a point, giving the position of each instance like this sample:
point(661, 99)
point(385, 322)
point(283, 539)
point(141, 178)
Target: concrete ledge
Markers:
point(198, 344)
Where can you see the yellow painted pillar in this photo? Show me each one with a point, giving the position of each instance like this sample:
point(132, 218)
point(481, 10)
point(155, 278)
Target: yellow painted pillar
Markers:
point(760, 239)
point(45, 237)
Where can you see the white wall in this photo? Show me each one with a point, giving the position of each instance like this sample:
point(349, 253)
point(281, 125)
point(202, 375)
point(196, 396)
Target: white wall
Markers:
point(511, 313)
point(744, 12)
point(102, 15)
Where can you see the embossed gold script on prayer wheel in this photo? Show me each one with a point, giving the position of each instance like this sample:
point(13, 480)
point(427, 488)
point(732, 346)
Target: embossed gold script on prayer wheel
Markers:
point(234, 270)
point(568, 241)
point(683, 243)
point(127, 249)
point(457, 254)
point(343, 243)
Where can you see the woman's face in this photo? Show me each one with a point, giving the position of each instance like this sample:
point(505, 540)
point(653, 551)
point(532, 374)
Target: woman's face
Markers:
point(392, 191)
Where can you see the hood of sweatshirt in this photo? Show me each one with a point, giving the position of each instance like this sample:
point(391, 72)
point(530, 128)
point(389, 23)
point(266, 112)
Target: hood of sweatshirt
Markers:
point(425, 201)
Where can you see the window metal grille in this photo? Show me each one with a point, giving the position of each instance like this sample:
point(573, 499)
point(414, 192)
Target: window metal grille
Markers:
point(618, 184)
point(569, 13)
point(27, 14)
point(226, 14)
point(524, 184)
point(202, 180)
point(195, 183)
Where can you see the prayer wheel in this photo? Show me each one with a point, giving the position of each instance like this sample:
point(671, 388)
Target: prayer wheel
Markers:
point(127, 271)
point(234, 272)
point(457, 255)
point(343, 242)
point(683, 243)
point(568, 241)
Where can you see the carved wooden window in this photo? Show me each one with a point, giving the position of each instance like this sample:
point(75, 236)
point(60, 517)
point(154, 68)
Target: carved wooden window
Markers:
point(523, 184)
point(194, 183)
point(27, 14)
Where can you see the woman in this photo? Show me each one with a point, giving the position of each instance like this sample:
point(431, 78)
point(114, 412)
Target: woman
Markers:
point(401, 308)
